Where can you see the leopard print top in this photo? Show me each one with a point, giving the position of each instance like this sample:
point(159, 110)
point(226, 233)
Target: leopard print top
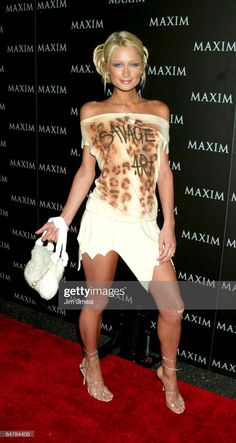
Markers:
point(128, 149)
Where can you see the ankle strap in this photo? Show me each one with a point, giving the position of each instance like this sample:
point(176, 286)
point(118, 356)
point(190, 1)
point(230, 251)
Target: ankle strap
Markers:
point(90, 354)
point(168, 359)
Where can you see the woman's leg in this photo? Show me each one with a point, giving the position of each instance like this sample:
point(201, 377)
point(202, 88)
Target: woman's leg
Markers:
point(165, 290)
point(98, 273)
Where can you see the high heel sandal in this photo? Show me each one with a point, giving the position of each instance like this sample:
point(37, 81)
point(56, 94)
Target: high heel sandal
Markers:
point(102, 393)
point(177, 406)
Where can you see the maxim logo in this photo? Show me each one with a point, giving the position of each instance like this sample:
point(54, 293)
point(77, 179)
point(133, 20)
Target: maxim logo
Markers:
point(106, 327)
point(175, 166)
point(198, 279)
point(204, 193)
point(22, 89)
point(229, 367)
point(81, 69)
point(226, 327)
point(233, 198)
point(20, 48)
point(4, 245)
point(42, 47)
point(42, 89)
point(50, 205)
point(2, 107)
point(20, 7)
point(87, 24)
point(25, 298)
point(3, 212)
point(215, 46)
point(3, 179)
point(2, 68)
point(18, 265)
point(23, 234)
point(20, 126)
point(74, 111)
point(75, 152)
point(211, 97)
point(192, 356)
point(24, 164)
point(201, 237)
point(196, 319)
point(73, 229)
point(175, 212)
point(52, 89)
point(43, 129)
point(41, 5)
point(54, 308)
point(3, 144)
point(208, 146)
point(23, 200)
point(52, 4)
point(172, 71)
point(173, 20)
point(231, 243)
point(176, 119)
point(50, 129)
point(52, 47)
point(56, 169)
point(4, 276)
point(228, 286)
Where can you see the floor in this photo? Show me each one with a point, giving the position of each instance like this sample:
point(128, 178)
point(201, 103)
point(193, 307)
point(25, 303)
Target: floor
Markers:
point(202, 378)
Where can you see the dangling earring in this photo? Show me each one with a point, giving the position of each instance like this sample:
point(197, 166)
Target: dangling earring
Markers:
point(140, 86)
point(106, 77)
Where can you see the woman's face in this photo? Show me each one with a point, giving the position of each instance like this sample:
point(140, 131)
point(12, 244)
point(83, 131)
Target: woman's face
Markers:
point(125, 67)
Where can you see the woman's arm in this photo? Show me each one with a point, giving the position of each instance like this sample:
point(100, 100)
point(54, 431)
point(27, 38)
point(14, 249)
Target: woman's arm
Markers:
point(167, 241)
point(81, 184)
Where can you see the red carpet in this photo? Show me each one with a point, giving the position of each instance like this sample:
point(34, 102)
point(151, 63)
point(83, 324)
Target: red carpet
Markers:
point(41, 390)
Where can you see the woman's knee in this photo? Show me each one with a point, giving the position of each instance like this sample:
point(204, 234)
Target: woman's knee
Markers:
point(172, 315)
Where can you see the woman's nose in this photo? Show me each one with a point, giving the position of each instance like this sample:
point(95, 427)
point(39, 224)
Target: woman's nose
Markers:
point(126, 71)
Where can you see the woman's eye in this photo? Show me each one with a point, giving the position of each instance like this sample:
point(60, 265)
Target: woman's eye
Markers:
point(117, 65)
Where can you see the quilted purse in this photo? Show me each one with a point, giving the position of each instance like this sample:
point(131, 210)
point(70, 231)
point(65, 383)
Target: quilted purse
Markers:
point(45, 269)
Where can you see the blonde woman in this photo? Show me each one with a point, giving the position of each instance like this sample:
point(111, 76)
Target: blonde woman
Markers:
point(127, 136)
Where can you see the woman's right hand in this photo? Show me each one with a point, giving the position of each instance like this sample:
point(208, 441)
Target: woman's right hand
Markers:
point(51, 232)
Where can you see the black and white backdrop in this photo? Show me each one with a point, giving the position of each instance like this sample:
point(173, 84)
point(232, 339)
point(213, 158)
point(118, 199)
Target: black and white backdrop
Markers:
point(47, 73)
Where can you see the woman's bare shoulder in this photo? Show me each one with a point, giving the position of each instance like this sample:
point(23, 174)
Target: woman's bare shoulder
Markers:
point(87, 110)
point(90, 109)
point(159, 108)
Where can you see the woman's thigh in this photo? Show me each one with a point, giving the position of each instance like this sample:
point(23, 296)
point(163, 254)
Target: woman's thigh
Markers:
point(99, 273)
point(164, 288)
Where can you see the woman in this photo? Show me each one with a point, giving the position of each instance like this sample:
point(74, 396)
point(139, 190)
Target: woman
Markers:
point(127, 136)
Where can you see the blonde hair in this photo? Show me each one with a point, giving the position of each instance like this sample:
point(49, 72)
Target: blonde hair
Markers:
point(103, 52)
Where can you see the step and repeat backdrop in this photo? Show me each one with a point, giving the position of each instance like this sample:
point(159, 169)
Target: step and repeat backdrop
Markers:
point(47, 73)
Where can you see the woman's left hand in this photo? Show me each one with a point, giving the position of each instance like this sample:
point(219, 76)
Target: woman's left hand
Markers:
point(167, 244)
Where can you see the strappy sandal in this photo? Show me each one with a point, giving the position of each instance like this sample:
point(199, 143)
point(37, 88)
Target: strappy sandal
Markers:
point(95, 388)
point(177, 406)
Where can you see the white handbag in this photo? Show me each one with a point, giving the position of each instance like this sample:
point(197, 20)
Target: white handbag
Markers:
point(45, 269)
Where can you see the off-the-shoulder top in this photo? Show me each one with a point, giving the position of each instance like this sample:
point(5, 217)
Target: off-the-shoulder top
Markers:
point(128, 149)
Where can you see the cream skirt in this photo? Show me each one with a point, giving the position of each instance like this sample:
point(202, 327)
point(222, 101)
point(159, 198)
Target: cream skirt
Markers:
point(135, 242)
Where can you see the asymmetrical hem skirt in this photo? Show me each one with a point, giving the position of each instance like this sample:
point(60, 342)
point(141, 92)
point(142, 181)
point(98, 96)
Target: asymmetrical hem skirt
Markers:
point(136, 242)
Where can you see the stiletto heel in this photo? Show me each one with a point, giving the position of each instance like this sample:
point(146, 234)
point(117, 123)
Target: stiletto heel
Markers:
point(177, 406)
point(102, 393)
